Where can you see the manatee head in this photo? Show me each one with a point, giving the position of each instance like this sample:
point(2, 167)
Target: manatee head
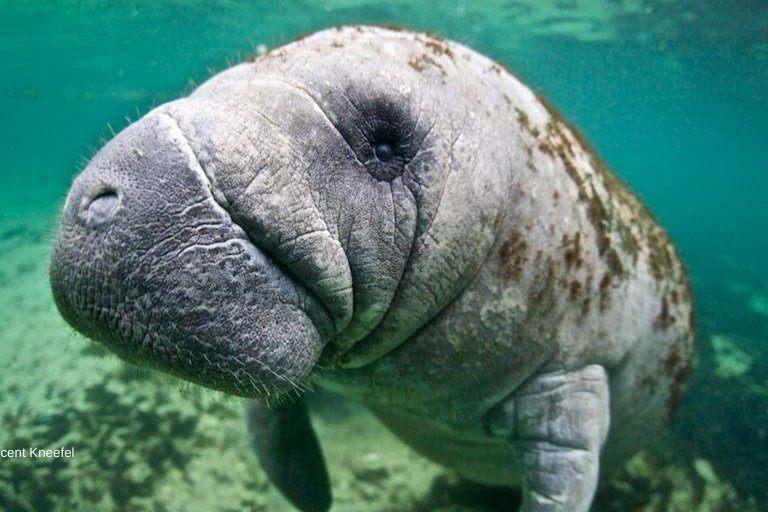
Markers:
point(318, 205)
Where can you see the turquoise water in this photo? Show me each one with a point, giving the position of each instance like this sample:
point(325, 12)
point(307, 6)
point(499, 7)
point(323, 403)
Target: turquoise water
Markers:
point(673, 94)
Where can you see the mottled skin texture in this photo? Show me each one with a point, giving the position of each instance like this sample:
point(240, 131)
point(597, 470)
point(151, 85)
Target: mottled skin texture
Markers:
point(397, 218)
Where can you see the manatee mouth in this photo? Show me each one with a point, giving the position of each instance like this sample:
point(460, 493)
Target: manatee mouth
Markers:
point(170, 281)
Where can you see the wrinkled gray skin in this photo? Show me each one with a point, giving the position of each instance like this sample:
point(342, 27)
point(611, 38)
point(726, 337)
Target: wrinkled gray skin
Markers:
point(490, 289)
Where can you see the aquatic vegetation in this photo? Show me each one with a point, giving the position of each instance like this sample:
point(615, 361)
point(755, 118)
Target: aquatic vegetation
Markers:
point(731, 361)
point(759, 304)
point(671, 486)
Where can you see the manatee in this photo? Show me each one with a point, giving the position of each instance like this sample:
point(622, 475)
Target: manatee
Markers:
point(398, 219)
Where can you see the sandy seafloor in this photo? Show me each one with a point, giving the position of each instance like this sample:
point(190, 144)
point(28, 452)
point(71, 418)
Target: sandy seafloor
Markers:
point(673, 93)
point(146, 442)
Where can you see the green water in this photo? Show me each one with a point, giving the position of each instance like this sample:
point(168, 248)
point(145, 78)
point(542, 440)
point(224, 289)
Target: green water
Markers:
point(674, 94)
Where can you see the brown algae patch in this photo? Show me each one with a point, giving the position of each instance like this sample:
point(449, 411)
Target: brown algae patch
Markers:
point(420, 63)
point(624, 227)
point(513, 254)
point(678, 366)
point(525, 123)
point(439, 46)
point(573, 250)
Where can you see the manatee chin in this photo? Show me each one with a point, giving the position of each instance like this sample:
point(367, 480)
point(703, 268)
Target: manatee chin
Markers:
point(149, 264)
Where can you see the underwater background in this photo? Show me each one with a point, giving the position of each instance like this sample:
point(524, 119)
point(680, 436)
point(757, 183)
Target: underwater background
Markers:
point(673, 94)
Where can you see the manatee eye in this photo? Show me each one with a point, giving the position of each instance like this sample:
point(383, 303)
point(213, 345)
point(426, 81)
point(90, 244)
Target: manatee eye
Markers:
point(384, 152)
point(386, 164)
point(99, 207)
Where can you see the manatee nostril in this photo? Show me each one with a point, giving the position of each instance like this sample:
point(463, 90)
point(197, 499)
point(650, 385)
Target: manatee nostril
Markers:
point(99, 207)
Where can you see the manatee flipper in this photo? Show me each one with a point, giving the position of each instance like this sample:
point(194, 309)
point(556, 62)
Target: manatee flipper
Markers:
point(557, 423)
point(290, 453)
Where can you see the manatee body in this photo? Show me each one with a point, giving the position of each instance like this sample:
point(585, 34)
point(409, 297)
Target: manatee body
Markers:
point(396, 218)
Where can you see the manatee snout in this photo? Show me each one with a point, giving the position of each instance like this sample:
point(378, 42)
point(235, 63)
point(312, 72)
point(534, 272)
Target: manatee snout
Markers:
point(148, 263)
